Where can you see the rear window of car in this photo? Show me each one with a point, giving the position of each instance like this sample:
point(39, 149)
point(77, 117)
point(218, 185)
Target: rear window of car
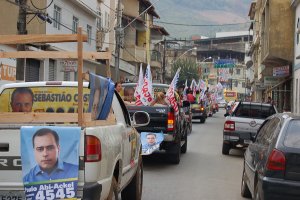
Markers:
point(292, 136)
point(254, 111)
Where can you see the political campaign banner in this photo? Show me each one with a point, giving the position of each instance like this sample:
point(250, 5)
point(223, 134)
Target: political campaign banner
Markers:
point(46, 99)
point(50, 161)
point(151, 142)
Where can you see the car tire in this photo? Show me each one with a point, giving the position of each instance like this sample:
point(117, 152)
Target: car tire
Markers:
point(245, 192)
point(202, 120)
point(226, 148)
point(113, 193)
point(184, 146)
point(174, 153)
point(133, 191)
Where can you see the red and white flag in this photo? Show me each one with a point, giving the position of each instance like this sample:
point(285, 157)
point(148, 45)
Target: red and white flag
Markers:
point(138, 89)
point(171, 92)
point(147, 93)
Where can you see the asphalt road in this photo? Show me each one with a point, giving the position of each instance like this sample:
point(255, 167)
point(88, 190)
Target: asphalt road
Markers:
point(203, 173)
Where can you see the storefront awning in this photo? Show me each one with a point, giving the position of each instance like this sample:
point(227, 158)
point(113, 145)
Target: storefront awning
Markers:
point(278, 84)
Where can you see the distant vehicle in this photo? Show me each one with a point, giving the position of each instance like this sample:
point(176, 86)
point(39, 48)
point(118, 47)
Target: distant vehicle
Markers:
point(222, 103)
point(200, 111)
point(243, 122)
point(271, 163)
point(162, 119)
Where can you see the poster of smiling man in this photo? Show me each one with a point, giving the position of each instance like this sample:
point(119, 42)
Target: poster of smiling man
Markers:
point(50, 161)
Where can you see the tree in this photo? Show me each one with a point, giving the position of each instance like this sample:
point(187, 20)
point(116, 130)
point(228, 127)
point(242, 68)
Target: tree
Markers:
point(189, 70)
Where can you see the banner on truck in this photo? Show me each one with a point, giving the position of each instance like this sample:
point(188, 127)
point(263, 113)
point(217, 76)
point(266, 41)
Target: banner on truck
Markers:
point(45, 99)
point(151, 142)
point(50, 161)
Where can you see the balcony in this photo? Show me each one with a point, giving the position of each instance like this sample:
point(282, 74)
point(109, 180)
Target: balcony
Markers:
point(155, 59)
point(132, 53)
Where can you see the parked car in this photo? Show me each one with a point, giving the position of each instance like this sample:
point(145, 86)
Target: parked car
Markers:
point(243, 122)
point(272, 162)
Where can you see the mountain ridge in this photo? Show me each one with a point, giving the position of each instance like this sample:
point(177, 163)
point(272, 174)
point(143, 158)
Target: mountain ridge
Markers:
point(208, 13)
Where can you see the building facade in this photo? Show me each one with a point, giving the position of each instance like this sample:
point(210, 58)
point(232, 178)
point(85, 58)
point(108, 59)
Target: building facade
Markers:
point(272, 51)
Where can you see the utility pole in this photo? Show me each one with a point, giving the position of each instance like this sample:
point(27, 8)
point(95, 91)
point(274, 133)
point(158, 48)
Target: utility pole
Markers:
point(118, 41)
point(164, 62)
point(21, 27)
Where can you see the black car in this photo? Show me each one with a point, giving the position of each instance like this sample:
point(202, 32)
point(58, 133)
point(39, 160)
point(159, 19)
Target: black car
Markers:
point(272, 161)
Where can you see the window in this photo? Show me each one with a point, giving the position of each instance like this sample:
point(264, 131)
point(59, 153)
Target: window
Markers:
point(52, 70)
point(66, 76)
point(99, 21)
point(238, 71)
point(236, 83)
point(75, 24)
point(256, 111)
point(57, 17)
point(106, 20)
point(292, 137)
point(243, 84)
point(89, 33)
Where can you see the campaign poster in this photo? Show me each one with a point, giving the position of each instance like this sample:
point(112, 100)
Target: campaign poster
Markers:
point(50, 161)
point(151, 142)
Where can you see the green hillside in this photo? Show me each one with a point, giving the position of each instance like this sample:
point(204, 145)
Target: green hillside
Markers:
point(202, 12)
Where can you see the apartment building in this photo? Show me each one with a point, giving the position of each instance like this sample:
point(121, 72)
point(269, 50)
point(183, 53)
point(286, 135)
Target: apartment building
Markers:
point(222, 59)
point(272, 51)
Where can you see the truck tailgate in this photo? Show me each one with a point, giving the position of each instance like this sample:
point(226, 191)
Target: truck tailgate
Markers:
point(10, 160)
point(158, 117)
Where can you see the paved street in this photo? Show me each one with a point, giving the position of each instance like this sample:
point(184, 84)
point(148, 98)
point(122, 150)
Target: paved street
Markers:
point(203, 173)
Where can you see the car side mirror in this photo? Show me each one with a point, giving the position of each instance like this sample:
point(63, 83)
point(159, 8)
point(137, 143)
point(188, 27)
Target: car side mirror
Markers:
point(140, 118)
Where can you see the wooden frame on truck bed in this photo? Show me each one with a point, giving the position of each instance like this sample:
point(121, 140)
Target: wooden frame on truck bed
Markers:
point(83, 119)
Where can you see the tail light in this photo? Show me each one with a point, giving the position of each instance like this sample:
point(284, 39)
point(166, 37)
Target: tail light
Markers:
point(92, 149)
point(229, 125)
point(171, 121)
point(201, 108)
point(276, 161)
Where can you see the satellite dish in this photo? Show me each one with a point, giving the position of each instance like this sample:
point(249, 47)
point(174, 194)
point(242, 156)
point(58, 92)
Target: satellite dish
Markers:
point(249, 63)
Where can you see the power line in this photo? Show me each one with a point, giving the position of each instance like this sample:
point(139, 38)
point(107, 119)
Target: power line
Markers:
point(179, 24)
point(41, 8)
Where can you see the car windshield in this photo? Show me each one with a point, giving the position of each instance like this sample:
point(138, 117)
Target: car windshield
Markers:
point(254, 111)
point(292, 137)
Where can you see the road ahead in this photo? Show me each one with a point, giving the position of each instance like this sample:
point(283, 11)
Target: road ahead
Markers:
point(203, 173)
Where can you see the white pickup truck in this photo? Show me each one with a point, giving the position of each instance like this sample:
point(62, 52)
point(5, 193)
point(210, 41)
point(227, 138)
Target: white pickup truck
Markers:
point(241, 126)
point(110, 163)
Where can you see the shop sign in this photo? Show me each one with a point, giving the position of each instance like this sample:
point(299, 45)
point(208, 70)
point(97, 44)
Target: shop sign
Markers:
point(212, 76)
point(69, 65)
point(270, 80)
point(281, 71)
point(7, 72)
point(224, 63)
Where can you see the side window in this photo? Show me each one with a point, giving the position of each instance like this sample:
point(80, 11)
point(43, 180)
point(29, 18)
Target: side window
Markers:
point(124, 110)
point(271, 131)
point(260, 138)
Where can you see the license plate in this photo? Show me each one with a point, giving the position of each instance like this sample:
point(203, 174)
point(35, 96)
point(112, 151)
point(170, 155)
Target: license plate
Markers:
point(13, 195)
point(247, 141)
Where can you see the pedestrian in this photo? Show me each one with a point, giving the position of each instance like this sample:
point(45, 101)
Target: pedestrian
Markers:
point(118, 87)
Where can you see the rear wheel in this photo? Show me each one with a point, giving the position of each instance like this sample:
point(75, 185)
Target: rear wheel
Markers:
point(133, 191)
point(226, 148)
point(184, 146)
point(245, 192)
point(113, 193)
point(202, 120)
point(174, 153)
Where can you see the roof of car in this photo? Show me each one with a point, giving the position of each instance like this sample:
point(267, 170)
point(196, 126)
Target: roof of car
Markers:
point(255, 103)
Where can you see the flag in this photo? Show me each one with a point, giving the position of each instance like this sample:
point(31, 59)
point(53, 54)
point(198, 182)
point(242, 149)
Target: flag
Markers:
point(185, 90)
point(147, 93)
point(171, 92)
point(138, 89)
